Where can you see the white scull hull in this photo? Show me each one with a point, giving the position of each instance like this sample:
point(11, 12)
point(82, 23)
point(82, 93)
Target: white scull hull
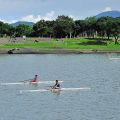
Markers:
point(55, 90)
point(22, 83)
point(114, 58)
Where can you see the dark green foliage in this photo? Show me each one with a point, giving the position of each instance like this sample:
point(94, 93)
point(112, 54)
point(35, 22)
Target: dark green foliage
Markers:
point(66, 27)
point(4, 29)
point(43, 28)
point(22, 30)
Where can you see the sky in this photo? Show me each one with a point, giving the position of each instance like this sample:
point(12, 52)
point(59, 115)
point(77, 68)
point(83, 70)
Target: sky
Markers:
point(35, 10)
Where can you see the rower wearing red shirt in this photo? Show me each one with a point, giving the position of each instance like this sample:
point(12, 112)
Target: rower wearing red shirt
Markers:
point(34, 80)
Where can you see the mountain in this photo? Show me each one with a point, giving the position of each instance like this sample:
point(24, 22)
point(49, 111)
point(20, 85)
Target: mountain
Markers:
point(113, 14)
point(22, 22)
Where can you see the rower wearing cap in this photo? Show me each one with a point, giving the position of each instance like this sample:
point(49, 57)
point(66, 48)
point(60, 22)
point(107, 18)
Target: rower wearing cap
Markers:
point(57, 85)
point(34, 80)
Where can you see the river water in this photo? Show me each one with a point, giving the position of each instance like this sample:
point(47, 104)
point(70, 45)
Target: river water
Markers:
point(97, 71)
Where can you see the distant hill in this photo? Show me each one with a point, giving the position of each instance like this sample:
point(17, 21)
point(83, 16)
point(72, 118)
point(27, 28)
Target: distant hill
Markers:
point(113, 14)
point(22, 22)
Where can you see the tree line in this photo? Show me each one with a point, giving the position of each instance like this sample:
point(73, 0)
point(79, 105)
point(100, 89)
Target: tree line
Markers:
point(66, 27)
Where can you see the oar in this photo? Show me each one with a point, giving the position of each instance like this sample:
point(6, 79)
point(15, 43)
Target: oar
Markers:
point(51, 87)
point(26, 80)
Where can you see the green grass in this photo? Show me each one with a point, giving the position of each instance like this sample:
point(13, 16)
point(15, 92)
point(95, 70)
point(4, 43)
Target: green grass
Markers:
point(65, 44)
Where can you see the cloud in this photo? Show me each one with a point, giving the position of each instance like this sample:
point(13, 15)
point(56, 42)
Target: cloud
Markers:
point(7, 21)
point(35, 18)
point(2, 20)
point(107, 9)
point(74, 17)
point(32, 18)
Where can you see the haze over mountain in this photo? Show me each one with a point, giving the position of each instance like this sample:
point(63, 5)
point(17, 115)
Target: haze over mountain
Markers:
point(22, 22)
point(113, 14)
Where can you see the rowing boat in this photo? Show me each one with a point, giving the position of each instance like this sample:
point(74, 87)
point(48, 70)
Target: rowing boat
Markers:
point(114, 58)
point(56, 90)
point(22, 83)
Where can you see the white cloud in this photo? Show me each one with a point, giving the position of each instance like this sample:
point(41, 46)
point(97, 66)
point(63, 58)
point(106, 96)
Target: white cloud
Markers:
point(107, 9)
point(49, 16)
point(32, 18)
point(74, 17)
point(7, 21)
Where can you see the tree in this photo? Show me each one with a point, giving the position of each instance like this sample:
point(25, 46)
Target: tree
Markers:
point(63, 27)
point(79, 28)
point(116, 29)
point(22, 30)
point(104, 26)
point(12, 31)
point(4, 29)
point(90, 26)
point(40, 28)
point(50, 32)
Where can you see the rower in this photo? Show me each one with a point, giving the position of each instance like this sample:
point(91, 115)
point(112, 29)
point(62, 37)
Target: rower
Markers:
point(34, 80)
point(57, 85)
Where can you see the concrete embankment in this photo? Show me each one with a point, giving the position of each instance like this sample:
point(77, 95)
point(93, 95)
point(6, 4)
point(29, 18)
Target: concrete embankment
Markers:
point(53, 51)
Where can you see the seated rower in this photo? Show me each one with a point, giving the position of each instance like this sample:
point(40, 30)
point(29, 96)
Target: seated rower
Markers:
point(34, 80)
point(57, 85)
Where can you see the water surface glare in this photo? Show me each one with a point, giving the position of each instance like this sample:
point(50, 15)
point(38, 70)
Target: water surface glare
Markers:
point(96, 71)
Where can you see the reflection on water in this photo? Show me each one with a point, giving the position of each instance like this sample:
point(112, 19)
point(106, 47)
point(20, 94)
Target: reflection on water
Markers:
point(96, 71)
point(56, 92)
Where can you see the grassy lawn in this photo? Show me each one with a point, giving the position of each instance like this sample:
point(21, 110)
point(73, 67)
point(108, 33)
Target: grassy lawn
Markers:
point(65, 44)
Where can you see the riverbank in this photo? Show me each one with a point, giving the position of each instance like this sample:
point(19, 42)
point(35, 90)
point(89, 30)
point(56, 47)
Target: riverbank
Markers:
point(55, 51)
point(58, 46)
